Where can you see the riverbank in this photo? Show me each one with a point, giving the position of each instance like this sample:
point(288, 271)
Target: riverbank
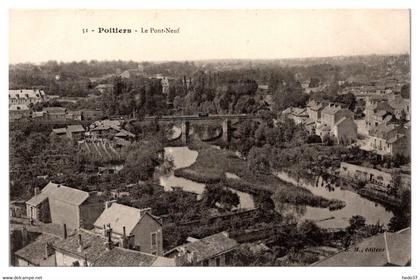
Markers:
point(211, 167)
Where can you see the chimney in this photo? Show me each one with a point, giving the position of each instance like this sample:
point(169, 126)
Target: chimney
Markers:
point(64, 231)
point(124, 239)
point(80, 243)
point(105, 231)
point(109, 242)
point(24, 234)
point(48, 250)
point(36, 190)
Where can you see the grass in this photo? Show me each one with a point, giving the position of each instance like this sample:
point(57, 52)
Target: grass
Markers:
point(212, 164)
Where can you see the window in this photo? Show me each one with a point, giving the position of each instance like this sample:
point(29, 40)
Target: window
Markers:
point(206, 263)
point(217, 261)
point(154, 239)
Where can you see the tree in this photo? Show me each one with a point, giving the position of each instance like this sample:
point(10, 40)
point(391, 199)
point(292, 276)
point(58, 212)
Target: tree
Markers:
point(356, 222)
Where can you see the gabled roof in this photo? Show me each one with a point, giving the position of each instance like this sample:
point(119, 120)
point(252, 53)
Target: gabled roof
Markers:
point(26, 93)
point(119, 216)
point(343, 119)
point(209, 246)
point(379, 250)
point(331, 110)
point(46, 191)
point(35, 251)
point(69, 195)
point(94, 245)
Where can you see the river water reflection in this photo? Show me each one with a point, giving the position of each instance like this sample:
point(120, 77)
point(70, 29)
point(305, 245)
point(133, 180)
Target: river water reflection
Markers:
point(184, 157)
point(355, 205)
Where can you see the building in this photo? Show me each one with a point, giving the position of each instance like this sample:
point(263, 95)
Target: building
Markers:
point(37, 208)
point(384, 249)
point(74, 132)
point(345, 131)
point(374, 176)
point(55, 113)
point(401, 106)
point(26, 96)
point(337, 123)
point(314, 109)
point(38, 253)
point(298, 115)
point(143, 230)
point(86, 248)
point(389, 139)
point(332, 113)
point(74, 115)
point(17, 112)
point(75, 208)
point(214, 250)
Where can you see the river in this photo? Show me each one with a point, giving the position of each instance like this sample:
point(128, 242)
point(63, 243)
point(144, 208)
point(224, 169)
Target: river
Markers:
point(184, 157)
point(355, 205)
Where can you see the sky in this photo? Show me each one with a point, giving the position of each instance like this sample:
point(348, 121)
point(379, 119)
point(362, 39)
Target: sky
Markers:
point(40, 35)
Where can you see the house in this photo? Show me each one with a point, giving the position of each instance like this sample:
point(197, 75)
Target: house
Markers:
point(37, 208)
point(337, 123)
point(74, 115)
point(374, 176)
point(55, 113)
point(19, 111)
point(401, 106)
point(298, 115)
point(345, 131)
point(75, 208)
point(26, 96)
point(384, 249)
point(389, 139)
point(17, 208)
point(214, 250)
point(86, 248)
point(37, 253)
point(143, 230)
point(91, 115)
point(314, 109)
point(75, 132)
point(332, 113)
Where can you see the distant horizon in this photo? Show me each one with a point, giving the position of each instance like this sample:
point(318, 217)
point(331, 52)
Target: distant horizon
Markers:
point(214, 59)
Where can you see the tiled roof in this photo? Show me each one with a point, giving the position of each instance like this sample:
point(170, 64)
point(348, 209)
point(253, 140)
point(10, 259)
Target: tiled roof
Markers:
point(19, 107)
point(94, 245)
point(26, 93)
point(380, 250)
point(120, 216)
point(47, 190)
point(69, 195)
point(124, 257)
point(35, 251)
point(210, 246)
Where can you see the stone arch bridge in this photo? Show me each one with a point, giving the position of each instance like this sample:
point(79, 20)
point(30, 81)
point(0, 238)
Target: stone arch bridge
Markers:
point(187, 120)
